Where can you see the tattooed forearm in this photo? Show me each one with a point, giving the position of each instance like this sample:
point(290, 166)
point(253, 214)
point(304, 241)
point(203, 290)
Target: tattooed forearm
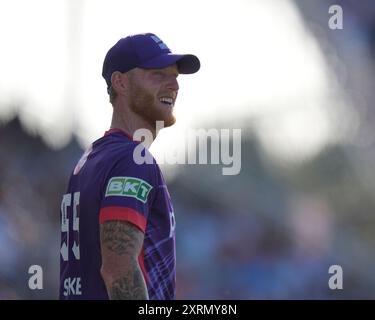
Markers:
point(130, 287)
point(121, 244)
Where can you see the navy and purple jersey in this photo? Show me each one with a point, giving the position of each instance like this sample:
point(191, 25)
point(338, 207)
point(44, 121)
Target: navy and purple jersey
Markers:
point(106, 185)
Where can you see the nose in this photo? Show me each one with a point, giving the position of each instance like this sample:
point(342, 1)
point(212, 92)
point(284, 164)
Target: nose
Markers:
point(173, 84)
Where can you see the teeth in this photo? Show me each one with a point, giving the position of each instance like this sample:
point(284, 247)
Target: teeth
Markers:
point(166, 100)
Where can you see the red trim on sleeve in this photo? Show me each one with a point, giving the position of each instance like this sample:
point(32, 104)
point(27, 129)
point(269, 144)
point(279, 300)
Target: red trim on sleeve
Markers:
point(141, 262)
point(123, 214)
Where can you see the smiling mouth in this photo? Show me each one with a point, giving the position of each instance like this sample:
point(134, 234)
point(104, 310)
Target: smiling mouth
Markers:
point(167, 101)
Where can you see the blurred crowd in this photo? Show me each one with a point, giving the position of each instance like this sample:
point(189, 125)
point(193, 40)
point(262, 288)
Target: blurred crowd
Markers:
point(32, 181)
point(268, 233)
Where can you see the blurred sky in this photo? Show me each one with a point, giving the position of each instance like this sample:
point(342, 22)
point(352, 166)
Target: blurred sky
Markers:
point(260, 67)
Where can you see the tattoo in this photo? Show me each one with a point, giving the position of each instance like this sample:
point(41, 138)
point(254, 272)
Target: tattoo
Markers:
point(130, 287)
point(120, 237)
point(121, 243)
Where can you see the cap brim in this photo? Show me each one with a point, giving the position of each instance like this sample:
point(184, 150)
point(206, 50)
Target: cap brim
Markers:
point(186, 63)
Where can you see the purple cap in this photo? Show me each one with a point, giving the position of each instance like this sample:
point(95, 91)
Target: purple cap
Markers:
point(145, 51)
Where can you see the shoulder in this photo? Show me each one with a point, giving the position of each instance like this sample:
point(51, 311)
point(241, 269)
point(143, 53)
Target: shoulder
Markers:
point(117, 156)
point(113, 149)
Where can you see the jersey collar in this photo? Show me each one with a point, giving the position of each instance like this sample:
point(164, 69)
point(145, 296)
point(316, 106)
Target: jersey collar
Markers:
point(112, 130)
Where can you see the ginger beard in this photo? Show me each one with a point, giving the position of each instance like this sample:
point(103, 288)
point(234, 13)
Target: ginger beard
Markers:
point(146, 104)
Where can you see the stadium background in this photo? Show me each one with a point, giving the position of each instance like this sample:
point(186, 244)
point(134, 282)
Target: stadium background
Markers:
point(301, 93)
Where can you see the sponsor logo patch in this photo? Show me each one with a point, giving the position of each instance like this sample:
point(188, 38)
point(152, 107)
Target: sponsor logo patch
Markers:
point(128, 187)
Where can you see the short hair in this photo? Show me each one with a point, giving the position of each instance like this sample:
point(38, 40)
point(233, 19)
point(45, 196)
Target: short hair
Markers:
point(112, 94)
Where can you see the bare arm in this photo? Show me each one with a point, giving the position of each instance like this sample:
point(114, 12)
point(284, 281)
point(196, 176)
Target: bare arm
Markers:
point(121, 244)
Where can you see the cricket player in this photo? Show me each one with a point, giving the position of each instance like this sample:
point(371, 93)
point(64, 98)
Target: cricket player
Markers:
point(117, 219)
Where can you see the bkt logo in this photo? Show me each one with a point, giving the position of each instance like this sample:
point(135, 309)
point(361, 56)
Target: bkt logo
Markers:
point(128, 187)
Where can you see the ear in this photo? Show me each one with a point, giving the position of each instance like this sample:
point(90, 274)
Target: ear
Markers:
point(119, 82)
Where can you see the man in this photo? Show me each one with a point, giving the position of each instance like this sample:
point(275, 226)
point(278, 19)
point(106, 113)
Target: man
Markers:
point(117, 220)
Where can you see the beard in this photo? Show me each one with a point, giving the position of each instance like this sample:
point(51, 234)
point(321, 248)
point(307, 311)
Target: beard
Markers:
point(146, 105)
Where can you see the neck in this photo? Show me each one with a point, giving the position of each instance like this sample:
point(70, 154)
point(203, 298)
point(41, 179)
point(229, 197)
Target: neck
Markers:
point(127, 120)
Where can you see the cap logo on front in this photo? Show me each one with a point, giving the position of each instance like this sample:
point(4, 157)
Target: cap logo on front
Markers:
point(160, 43)
point(147, 51)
